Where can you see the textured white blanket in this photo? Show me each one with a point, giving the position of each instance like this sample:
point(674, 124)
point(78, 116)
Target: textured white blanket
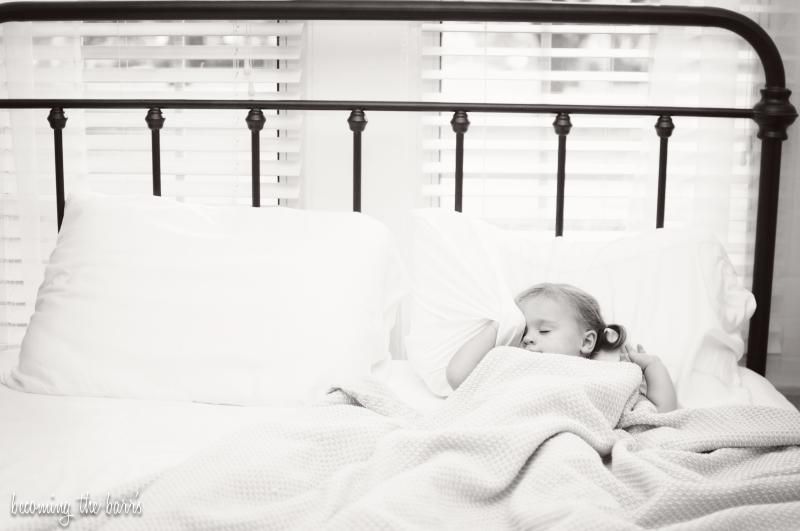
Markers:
point(529, 441)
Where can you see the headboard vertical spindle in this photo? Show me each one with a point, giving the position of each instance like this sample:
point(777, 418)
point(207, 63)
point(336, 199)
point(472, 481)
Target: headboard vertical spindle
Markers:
point(460, 125)
point(562, 126)
point(58, 121)
point(664, 128)
point(155, 121)
point(255, 122)
point(358, 123)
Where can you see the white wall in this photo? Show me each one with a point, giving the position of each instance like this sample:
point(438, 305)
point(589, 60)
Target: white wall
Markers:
point(784, 370)
point(340, 66)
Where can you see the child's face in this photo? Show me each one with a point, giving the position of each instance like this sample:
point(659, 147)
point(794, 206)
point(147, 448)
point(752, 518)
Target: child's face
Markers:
point(551, 326)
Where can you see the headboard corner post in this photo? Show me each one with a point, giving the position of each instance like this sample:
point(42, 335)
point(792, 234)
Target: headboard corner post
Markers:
point(773, 114)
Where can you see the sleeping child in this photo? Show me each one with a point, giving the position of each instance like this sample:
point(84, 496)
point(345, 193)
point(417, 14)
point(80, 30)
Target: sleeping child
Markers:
point(563, 319)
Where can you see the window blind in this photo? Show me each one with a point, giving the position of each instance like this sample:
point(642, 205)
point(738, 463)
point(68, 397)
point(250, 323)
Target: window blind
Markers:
point(205, 154)
point(612, 162)
point(509, 159)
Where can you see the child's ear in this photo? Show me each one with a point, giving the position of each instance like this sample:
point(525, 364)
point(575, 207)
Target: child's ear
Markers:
point(589, 341)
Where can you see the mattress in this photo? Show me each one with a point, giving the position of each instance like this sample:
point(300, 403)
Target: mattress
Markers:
point(61, 447)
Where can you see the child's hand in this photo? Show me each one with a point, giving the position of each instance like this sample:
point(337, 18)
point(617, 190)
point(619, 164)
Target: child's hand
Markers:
point(637, 355)
point(660, 389)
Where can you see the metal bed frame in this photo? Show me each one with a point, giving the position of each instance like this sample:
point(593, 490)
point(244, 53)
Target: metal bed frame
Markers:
point(773, 113)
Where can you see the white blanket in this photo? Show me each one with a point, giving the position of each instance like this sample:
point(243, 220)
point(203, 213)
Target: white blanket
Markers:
point(528, 441)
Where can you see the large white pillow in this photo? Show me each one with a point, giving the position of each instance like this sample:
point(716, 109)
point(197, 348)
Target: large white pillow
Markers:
point(146, 297)
point(675, 291)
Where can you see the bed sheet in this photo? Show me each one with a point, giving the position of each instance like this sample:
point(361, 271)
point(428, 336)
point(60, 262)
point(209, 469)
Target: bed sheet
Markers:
point(64, 446)
point(761, 390)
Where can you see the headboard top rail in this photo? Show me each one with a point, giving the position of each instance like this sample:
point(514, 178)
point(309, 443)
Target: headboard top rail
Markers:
point(410, 11)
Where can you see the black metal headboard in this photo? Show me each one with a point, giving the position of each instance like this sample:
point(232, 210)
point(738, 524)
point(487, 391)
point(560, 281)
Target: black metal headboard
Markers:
point(773, 113)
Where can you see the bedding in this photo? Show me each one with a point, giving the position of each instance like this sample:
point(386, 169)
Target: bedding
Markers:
point(64, 447)
point(675, 291)
point(146, 297)
point(529, 440)
point(103, 442)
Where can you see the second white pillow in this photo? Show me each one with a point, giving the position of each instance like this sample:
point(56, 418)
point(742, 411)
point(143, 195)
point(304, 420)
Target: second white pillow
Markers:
point(674, 290)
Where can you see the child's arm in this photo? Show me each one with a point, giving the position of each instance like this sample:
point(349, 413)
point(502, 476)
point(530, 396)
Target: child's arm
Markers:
point(469, 355)
point(660, 390)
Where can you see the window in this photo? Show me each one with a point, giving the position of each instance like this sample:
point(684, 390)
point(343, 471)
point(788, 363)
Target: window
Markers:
point(205, 155)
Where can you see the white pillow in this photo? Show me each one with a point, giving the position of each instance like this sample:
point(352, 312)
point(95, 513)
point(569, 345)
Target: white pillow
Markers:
point(458, 287)
point(675, 291)
point(146, 297)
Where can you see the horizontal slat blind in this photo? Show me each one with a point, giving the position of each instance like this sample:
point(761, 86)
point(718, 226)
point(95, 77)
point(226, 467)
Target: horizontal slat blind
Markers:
point(612, 162)
point(12, 296)
point(205, 155)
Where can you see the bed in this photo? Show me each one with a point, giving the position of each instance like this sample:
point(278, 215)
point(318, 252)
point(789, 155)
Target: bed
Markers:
point(164, 411)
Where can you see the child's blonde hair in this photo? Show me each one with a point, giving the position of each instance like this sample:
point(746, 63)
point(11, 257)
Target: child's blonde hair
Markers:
point(587, 310)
